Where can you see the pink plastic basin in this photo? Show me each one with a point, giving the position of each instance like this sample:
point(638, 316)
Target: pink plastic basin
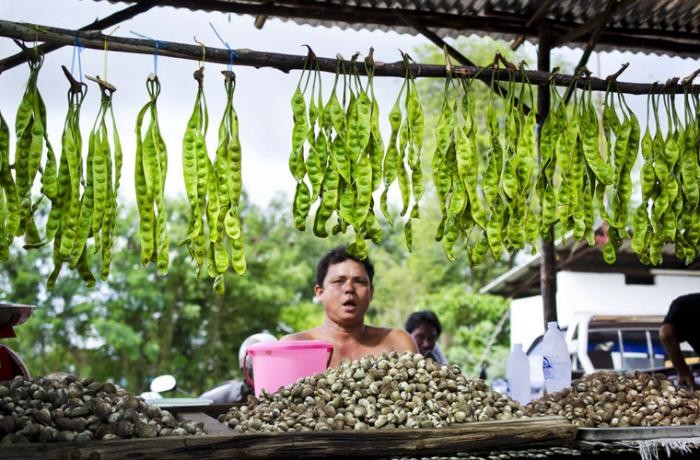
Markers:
point(278, 364)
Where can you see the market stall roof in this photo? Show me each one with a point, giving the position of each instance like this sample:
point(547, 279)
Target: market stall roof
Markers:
point(576, 256)
point(651, 26)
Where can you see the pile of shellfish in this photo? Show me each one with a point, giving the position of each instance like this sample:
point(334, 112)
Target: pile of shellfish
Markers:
point(390, 390)
point(609, 399)
point(74, 409)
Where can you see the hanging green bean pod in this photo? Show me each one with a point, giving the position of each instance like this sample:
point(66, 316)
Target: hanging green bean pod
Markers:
point(151, 168)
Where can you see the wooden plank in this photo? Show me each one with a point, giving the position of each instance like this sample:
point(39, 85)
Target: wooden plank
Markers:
point(514, 434)
point(210, 425)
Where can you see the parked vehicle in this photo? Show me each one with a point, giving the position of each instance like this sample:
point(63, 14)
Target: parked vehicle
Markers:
point(607, 342)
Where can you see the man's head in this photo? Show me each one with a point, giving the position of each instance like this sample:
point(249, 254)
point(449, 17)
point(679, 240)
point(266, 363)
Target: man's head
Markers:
point(336, 256)
point(424, 327)
point(344, 286)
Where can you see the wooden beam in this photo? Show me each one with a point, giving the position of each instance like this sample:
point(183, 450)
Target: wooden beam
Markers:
point(534, 20)
point(462, 59)
point(511, 434)
point(100, 24)
point(599, 23)
point(288, 62)
point(548, 264)
point(526, 285)
point(577, 253)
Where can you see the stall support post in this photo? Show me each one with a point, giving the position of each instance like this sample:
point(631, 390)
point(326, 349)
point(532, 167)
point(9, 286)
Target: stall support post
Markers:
point(548, 269)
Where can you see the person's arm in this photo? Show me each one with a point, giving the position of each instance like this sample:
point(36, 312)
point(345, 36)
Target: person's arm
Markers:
point(438, 355)
point(669, 340)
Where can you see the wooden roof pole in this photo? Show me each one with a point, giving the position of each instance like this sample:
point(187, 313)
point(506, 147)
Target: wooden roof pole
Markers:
point(548, 267)
point(111, 20)
point(459, 57)
point(534, 20)
point(285, 62)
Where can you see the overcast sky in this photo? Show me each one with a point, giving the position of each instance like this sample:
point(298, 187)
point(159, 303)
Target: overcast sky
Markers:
point(262, 95)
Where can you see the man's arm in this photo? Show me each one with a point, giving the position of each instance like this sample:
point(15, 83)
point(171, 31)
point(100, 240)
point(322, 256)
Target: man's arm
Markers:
point(669, 340)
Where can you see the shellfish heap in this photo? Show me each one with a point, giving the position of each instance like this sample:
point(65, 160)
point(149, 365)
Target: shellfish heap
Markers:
point(386, 391)
point(74, 409)
point(610, 399)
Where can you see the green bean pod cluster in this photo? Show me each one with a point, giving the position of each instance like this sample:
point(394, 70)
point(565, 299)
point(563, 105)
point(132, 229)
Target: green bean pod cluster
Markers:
point(522, 213)
point(488, 200)
point(403, 153)
point(31, 136)
point(196, 167)
point(670, 178)
point(150, 172)
point(224, 194)
point(346, 161)
point(585, 169)
point(620, 141)
point(9, 199)
point(574, 198)
point(65, 215)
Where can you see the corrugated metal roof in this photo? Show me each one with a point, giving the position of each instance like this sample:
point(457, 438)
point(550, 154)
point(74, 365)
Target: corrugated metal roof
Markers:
point(652, 26)
point(632, 27)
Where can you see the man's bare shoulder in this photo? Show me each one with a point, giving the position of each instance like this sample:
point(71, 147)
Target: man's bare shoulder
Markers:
point(394, 339)
point(311, 334)
point(403, 340)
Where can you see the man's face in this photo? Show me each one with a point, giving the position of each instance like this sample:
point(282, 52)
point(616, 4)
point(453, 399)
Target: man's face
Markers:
point(425, 336)
point(346, 293)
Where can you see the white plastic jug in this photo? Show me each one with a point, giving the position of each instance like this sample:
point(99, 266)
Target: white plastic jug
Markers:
point(556, 363)
point(518, 375)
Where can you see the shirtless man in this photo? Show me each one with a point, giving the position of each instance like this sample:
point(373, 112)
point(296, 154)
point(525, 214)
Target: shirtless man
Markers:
point(681, 325)
point(344, 286)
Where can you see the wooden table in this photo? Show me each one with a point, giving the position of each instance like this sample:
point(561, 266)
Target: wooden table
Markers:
point(223, 443)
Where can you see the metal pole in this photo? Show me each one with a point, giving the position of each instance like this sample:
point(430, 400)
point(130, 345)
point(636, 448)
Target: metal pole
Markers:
point(548, 269)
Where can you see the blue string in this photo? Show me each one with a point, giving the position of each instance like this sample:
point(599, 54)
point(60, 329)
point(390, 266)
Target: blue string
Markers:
point(158, 44)
point(77, 50)
point(232, 55)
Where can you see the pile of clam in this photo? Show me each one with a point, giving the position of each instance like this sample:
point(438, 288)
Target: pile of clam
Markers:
point(73, 409)
point(609, 399)
point(387, 391)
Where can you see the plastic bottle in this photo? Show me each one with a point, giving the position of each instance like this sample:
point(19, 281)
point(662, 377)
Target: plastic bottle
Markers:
point(556, 363)
point(518, 375)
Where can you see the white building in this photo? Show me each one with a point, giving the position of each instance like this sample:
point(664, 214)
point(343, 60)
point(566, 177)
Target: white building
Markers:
point(626, 292)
